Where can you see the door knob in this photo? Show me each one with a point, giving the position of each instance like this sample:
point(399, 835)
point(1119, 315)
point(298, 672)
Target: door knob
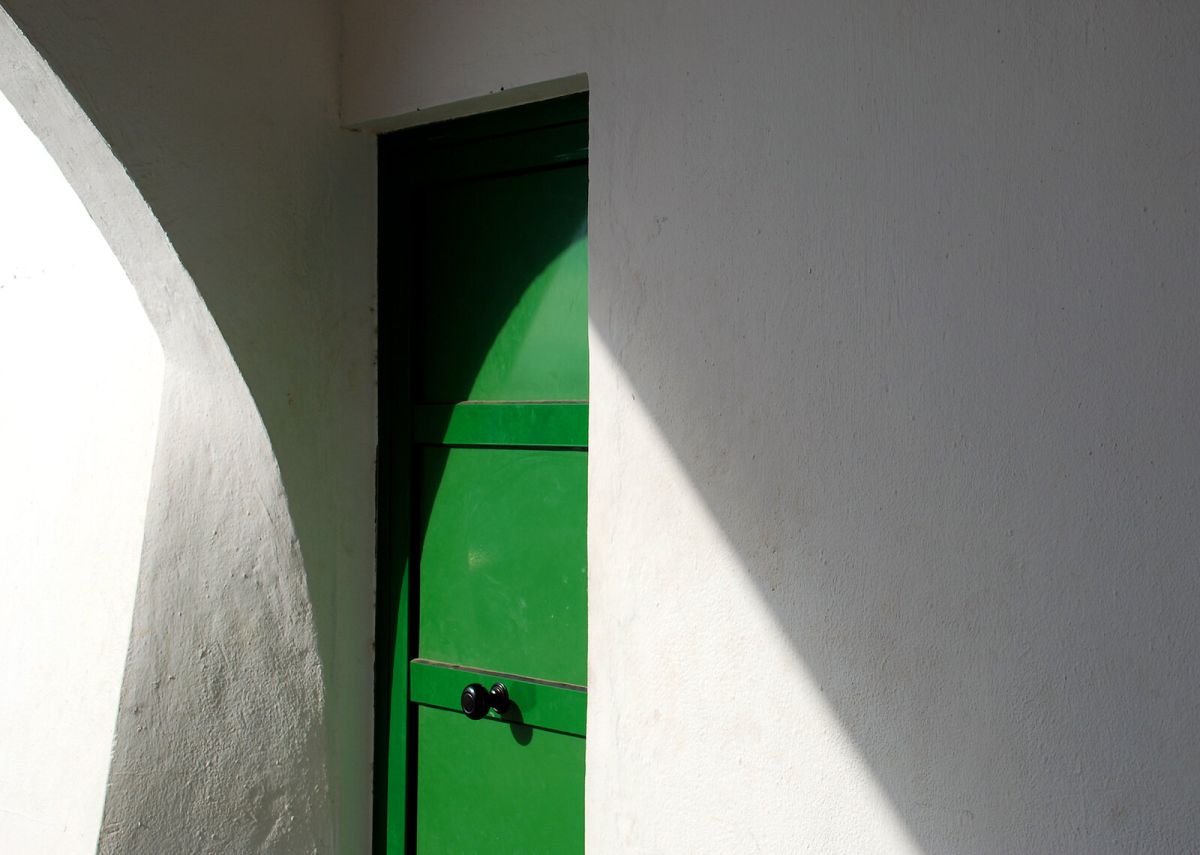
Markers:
point(476, 700)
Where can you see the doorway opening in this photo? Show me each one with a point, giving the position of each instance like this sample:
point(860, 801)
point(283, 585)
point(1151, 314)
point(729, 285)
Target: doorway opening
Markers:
point(482, 605)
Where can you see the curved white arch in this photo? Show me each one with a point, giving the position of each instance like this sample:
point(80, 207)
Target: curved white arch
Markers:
point(81, 379)
point(218, 733)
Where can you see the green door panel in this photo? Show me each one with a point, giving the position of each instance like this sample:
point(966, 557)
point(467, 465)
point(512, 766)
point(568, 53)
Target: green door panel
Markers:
point(496, 788)
point(503, 560)
point(537, 703)
point(550, 425)
point(483, 375)
point(512, 152)
point(504, 296)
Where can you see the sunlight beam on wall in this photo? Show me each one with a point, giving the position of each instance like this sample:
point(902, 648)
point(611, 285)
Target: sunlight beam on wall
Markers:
point(81, 375)
point(667, 588)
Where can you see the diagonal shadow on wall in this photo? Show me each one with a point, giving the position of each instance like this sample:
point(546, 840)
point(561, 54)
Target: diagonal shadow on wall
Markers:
point(926, 354)
point(226, 119)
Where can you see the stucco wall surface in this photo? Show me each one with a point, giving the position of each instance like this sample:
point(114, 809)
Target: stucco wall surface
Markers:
point(893, 502)
point(81, 376)
point(204, 142)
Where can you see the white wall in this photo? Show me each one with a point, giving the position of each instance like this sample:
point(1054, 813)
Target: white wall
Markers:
point(894, 463)
point(243, 216)
point(81, 376)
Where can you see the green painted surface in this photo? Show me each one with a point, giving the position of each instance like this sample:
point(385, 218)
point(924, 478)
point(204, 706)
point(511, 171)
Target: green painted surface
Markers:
point(483, 480)
point(394, 733)
point(496, 788)
point(553, 706)
point(503, 560)
point(395, 739)
point(554, 425)
point(504, 289)
point(508, 153)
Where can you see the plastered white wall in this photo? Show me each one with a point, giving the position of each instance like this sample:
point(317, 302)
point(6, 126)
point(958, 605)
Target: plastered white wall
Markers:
point(81, 376)
point(204, 142)
point(893, 501)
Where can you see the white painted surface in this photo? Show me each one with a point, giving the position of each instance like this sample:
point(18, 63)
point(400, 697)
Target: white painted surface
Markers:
point(744, 759)
point(80, 378)
point(894, 447)
point(245, 709)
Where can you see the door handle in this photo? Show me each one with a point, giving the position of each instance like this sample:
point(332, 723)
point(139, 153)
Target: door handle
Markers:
point(476, 700)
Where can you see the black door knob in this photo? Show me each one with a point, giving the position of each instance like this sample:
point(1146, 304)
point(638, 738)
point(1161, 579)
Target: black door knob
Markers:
point(476, 700)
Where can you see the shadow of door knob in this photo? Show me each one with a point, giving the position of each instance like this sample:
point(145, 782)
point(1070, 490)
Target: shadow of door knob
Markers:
point(476, 700)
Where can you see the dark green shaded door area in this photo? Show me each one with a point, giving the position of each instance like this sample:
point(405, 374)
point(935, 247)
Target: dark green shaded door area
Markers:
point(483, 482)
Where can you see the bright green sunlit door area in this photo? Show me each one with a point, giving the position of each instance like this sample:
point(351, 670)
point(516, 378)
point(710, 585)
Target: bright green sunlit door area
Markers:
point(483, 484)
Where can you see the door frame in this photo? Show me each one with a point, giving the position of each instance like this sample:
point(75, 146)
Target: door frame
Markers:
point(404, 161)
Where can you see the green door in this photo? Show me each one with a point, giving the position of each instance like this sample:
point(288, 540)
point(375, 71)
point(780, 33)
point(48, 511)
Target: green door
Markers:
point(483, 564)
